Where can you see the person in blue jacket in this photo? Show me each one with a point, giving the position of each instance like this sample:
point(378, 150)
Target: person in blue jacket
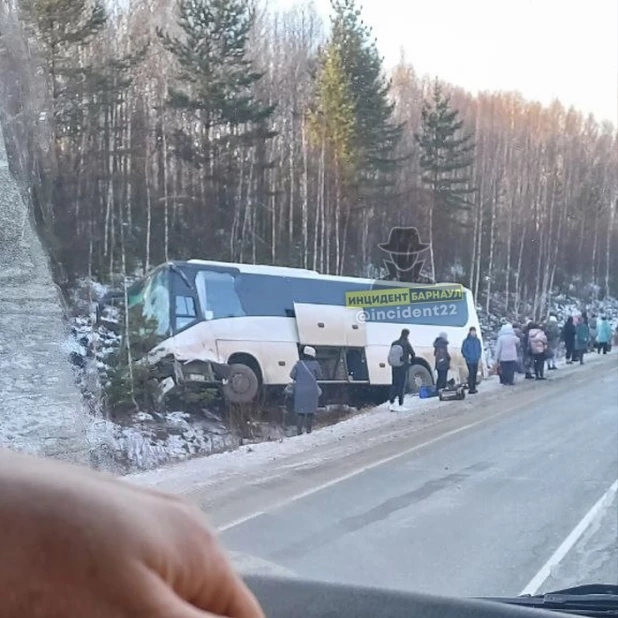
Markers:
point(604, 336)
point(471, 351)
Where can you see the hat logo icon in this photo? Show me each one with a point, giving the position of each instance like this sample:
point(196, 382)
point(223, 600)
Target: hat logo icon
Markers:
point(404, 247)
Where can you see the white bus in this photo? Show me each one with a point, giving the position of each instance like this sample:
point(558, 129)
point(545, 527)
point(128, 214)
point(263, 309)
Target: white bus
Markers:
point(242, 327)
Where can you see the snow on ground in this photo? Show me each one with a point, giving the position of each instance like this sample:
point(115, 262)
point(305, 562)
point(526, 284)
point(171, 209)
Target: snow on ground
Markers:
point(234, 462)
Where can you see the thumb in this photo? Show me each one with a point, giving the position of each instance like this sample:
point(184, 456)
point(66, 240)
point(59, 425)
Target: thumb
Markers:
point(163, 602)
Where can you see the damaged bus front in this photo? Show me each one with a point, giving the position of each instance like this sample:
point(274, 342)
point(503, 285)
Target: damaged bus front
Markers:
point(162, 310)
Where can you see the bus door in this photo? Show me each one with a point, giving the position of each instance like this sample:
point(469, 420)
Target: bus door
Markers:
point(339, 337)
point(320, 325)
point(356, 345)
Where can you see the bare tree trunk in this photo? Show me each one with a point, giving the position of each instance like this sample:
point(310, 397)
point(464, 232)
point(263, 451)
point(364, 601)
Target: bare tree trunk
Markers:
point(273, 223)
point(237, 210)
point(166, 197)
point(509, 248)
point(479, 250)
point(474, 247)
point(608, 243)
point(292, 169)
point(492, 242)
point(148, 211)
point(595, 280)
point(337, 217)
point(432, 205)
point(522, 242)
point(305, 193)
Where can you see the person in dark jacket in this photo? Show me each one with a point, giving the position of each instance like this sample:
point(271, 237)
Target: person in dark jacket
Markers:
point(306, 373)
point(471, 351)
point(582, 338)
point(443, 359)
point(527, 356)
point(568, 336)
point(400, 374)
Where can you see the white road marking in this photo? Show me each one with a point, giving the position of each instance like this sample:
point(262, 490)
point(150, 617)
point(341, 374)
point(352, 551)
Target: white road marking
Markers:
point(356, 472)
point(599, 507)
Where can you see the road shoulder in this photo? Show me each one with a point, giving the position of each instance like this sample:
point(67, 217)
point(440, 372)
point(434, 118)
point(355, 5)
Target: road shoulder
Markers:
point(233, 487)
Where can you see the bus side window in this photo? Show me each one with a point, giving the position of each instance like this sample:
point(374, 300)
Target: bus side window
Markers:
point(186, 311)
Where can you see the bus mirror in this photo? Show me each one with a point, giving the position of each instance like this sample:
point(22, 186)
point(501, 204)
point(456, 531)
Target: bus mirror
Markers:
point(209, 315)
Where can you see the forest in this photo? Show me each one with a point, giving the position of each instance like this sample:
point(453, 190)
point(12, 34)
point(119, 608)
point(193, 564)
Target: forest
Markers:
point(224, 129)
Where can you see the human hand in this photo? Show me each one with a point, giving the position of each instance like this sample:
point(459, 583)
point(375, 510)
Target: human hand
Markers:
point(75, 543)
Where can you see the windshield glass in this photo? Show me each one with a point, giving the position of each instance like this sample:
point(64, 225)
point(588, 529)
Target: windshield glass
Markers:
point(342, 272)
point(149, 308)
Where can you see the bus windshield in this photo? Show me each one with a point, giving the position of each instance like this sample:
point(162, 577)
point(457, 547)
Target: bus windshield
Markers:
point(149, 309)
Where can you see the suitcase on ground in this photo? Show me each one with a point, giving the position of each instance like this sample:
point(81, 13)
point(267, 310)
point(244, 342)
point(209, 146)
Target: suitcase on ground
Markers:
point(453, 393)
point(426, 392)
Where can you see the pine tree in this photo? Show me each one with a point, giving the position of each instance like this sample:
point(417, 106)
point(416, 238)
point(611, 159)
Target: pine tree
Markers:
point(63, 28)
point(375, 136)
point(446, 158)
point(331, 118)
point(332, 126)
point(215, 89)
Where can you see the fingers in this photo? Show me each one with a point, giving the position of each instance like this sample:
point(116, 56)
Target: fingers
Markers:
point(220, 590)
point(234, 602)
point(241, 602)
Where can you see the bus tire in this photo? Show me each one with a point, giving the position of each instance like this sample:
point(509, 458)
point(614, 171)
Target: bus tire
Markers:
point(242, 385)
point(419, 375)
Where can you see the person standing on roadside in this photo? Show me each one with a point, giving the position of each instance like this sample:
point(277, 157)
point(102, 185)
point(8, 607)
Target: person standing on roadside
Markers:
point(471, 351)
point(443, 359)
point(400, 358)
point(306, 373)
point(528, 360)
point(592, 325)
point(604, 336)
point(582, 338)
point(506, 354)
point(537, 340)
point(568, 336)
point(520, 359)
point(552, 331)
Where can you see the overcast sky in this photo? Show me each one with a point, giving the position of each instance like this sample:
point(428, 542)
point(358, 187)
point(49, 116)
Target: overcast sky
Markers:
point(565, 49)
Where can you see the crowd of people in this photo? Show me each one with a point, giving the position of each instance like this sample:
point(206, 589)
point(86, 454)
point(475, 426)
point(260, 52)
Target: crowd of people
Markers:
point(526, 350)
point(529, 349)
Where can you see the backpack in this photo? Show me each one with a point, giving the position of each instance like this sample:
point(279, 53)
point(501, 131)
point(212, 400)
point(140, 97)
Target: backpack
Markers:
point(395, 356)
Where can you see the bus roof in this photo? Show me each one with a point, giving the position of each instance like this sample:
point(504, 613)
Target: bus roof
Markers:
point(285, 271)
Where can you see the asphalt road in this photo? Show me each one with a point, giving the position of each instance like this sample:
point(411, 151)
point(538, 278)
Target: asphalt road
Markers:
point(519, 496)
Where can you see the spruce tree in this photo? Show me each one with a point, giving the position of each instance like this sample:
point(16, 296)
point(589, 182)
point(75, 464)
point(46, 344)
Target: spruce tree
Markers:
point(215, 90)
point(215, 81)
point(61, 28)
point(332, 116)
point(375, 136)
point(446, 159)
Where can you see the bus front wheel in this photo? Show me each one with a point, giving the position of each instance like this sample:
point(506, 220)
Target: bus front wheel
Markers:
point(242, 384)
point(418, 375)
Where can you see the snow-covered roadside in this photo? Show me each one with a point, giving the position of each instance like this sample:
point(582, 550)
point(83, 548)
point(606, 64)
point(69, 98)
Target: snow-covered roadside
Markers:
point(138, 441)
point(184, 477)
